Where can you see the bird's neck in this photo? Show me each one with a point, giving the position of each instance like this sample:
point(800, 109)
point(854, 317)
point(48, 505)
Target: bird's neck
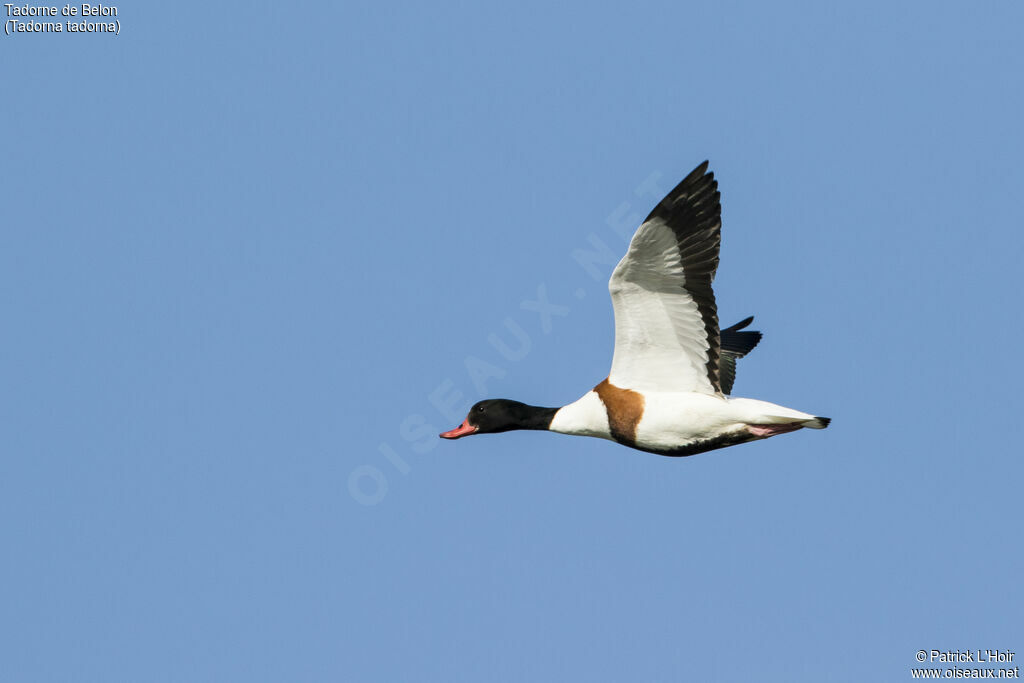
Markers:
point(535, 417)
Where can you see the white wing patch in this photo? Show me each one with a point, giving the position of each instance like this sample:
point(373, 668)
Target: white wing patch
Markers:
point(661, 342)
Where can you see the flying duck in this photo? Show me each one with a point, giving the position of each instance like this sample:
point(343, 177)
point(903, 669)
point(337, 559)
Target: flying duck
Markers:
point(672, 372)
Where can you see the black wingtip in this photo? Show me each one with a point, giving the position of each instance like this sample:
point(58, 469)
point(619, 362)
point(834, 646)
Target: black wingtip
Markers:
point(739, 343)
point(695, 202)
point(740, 325)
point(696, 173)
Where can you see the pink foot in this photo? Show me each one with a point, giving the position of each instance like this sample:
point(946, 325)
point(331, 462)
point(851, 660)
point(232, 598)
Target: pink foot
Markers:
point(764, 431)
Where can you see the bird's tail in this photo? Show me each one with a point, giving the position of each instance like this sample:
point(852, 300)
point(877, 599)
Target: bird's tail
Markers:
point(818, 422)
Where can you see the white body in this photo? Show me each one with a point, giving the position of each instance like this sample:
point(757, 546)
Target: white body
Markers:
point(676, 420)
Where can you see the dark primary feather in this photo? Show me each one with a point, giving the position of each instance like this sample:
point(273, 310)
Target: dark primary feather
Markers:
point(693, 211)
point(740, 343)
point(735, 344)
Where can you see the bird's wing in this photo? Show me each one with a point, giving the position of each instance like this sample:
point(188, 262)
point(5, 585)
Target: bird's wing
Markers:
point(666, 321)
point(735, 344)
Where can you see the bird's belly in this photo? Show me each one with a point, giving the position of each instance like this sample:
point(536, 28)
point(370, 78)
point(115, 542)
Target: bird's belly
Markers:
point(688, 423)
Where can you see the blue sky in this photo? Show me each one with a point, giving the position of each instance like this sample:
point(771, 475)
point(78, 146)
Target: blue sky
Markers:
point(252, 257)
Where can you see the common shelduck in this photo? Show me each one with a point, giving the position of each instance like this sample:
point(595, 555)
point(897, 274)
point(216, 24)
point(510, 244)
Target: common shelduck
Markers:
point(672, 370)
